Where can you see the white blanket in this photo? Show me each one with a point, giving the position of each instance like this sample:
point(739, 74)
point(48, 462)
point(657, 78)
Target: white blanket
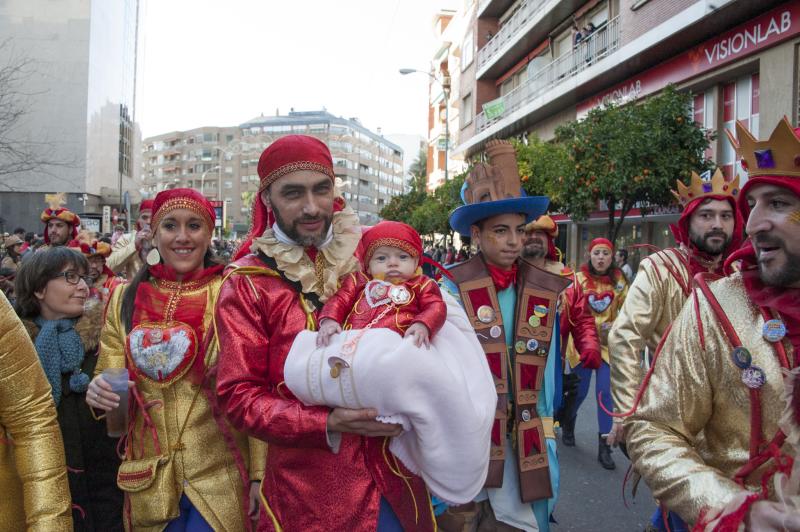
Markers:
point(443, 396)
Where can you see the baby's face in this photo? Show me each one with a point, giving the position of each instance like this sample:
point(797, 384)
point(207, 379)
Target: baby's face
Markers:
point(392, 264)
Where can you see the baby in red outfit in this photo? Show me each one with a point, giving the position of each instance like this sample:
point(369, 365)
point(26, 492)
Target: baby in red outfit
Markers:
point(393, 294)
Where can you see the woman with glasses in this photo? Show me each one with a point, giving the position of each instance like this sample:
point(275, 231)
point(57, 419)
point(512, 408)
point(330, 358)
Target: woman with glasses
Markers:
point(184, 467)
point(52, 300)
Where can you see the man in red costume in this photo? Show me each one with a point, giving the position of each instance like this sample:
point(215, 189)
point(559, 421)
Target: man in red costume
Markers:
point(326, 468)
point(576, 316)
point(728, 368)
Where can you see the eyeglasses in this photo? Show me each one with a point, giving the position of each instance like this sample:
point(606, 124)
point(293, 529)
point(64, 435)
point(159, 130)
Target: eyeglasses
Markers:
point(74, 277)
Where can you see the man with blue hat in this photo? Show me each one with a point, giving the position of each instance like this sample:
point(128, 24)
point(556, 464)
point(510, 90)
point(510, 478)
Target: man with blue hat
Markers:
point(512, 307)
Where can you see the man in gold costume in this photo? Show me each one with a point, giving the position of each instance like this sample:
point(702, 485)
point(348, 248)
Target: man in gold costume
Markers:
point(725, 367)
point(33, 472)
point(709, 229)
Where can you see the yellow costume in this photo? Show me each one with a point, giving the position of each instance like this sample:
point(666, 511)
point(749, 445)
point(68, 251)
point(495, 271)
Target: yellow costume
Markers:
point(195, 458)
point(32, 465)
point(696, 388)
point(662, 285)
point(605, 311)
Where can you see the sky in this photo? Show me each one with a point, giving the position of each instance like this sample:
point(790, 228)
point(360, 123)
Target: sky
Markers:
point(215, 63)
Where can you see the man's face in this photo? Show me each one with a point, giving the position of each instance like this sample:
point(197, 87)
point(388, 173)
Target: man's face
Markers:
point(619, 258)
point(774, 227)
point(58, 231)
point(144, 218)
point(711, 226)
point(96, 265)
point(500, 238)
point(535, 244)
point(303, 205)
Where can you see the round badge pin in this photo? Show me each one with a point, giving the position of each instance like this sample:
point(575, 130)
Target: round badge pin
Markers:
point(520, 347)
point(774, 330)
point(485, 314)
point(754, 377)
point(526, 415)
point(399, 295)
point(741, 357)
point(542, 352)
point(495, 331)
point(534, 321)
point(532, 345)
point(540, 311)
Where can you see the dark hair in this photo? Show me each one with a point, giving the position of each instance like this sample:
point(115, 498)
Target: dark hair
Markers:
point(143, 275)
point(19, 230)
point(42, 267)
point(624, 253)
point(29, 236)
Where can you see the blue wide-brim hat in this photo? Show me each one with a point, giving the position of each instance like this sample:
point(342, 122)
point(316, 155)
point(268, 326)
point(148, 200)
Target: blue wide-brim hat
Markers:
point(464, 217)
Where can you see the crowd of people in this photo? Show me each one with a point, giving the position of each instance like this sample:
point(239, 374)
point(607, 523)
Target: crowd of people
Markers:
point(323, 375)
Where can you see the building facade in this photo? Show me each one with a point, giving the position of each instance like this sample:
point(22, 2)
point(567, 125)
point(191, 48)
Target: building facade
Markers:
point(540, 63)
point(443, 97)
point(222, 162)
point(76, 91)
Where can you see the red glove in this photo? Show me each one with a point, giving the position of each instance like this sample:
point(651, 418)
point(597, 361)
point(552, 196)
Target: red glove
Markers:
point(591, 359)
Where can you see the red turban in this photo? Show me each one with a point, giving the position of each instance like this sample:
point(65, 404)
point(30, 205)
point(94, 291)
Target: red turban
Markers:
point(393, 234)
point(183, 198)
point(146, 205)
point(601, 242)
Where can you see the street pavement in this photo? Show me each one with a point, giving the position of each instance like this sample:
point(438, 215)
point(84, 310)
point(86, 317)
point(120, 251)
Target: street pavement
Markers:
point(590, 498)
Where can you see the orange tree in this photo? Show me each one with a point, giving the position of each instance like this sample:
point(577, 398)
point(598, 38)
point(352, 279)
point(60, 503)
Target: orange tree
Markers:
point(541, 164)
point(630, 156)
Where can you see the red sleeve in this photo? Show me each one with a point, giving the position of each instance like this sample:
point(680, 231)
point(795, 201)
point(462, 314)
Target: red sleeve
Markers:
point(338, 307)
point(433, 310)
point(577, 319)
point(250, 373)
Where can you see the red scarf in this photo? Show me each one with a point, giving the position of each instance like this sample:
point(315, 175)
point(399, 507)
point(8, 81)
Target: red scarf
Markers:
point(502, 278)
point(162, 271)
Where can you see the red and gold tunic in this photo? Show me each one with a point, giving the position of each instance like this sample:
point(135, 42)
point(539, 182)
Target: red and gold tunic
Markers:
point(306, 486)
point(605, 296)
point(352, 307)
point(172, 359)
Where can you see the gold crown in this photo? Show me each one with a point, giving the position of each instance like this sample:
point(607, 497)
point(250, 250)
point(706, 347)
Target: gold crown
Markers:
point(698, 188)
point(780, 155)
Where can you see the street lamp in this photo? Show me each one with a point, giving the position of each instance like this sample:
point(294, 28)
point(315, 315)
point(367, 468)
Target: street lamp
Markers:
point(445, 84)
point(203, 178)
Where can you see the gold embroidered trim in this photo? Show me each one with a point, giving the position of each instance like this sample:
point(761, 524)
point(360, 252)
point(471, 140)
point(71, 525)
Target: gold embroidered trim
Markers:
point(391, 242)
point(294, 167)
point(182, 203)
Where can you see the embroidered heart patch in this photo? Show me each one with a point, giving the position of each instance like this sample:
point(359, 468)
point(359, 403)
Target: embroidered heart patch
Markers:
point(162, 352)
point(376, 293)
point(600, 302)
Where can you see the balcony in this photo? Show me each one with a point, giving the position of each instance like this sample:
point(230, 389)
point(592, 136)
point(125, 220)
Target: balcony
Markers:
point(528, 26)
point(602, 43)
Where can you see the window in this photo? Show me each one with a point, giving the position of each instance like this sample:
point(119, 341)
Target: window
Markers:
point(740, 101)
point(228, 184)
point(467, 50)
point(466, 109)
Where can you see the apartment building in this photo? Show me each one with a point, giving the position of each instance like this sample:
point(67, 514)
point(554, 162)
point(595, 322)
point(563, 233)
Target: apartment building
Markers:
point(222, 162)
point(540, 63)
point(443, 98)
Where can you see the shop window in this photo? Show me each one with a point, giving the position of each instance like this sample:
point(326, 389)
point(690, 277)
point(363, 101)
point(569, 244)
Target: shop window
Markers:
point(740, 101)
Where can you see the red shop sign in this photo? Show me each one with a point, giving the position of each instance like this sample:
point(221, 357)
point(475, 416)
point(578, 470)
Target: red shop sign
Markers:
point(758, 34)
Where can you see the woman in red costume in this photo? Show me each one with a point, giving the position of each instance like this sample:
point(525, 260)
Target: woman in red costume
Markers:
point(605, 288)
point(184, 468)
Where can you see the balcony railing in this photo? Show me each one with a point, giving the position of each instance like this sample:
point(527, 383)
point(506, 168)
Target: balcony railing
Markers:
point(602, 43)
point(508, 31)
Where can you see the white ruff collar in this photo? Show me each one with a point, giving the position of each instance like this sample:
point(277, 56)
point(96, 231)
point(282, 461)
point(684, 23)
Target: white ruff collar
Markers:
point(335, 257)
